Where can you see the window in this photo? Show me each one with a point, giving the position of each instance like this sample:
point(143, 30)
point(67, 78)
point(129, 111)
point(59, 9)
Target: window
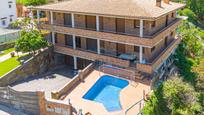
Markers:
point(54, 15)
point(152, 49)
point(10, 2)
point(136, 24)
point(3, 22)
point(78, 42)
point(136, 49)
point(56, 38)
point(166, 41)
point(153, 24)
point(172, 15)
point(11, 19)
point(172, 33)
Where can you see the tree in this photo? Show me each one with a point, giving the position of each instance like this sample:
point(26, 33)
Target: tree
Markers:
point(32, 2)
point(191, 40)
point(175, 97)
point(197, 7)
point(31, 39)
point(181, 97)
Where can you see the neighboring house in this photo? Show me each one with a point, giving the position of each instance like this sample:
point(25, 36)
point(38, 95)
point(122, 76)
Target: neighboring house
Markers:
point(23, 11)
point(137, 35)
point(7, 12)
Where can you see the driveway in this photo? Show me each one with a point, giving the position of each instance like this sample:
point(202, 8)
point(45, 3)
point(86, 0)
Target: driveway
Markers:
point(51, 81)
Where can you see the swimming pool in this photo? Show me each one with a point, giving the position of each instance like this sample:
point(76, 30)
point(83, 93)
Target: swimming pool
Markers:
point(106, 91)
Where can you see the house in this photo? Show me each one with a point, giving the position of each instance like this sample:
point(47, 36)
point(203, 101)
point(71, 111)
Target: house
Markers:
point(8, 12)
point(23, 11)
point(138, 35)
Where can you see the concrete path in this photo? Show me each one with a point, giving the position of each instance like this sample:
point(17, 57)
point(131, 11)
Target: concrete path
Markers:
point(7, 56)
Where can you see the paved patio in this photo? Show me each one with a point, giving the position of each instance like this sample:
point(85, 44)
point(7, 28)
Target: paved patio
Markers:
point(48, 82)
point(128, 96)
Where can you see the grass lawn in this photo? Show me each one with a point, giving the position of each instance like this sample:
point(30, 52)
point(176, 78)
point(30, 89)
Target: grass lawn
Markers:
point(7, 51)
point(11, 63)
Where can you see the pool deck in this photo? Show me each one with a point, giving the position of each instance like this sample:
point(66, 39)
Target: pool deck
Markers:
point(128, 96)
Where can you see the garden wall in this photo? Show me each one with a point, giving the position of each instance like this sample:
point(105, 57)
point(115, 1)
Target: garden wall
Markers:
point(26, 102)
point(37, 65)
point(60, 94)
point(33, 103)
point(7, 45)
point(53, 107)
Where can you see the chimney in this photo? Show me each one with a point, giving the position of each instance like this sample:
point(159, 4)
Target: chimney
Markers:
point(158, 3)
point(166, 1)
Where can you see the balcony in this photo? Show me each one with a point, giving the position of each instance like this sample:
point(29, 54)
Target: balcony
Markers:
point(116, 37)
point(150, 67)
point(90, 55)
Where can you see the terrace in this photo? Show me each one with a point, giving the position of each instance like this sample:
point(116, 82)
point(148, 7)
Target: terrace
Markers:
point(128, 96)
point(74, 90)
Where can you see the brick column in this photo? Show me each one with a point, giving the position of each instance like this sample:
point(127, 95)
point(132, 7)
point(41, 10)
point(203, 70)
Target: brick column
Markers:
point(41, 102)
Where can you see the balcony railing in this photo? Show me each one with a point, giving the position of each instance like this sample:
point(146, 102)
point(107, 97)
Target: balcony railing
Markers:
point(125, 56)
point(150, 67)
point(116, 37)
point(90, 55)
point(177, 20)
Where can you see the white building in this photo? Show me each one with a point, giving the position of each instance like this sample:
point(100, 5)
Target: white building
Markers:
point(7, 12)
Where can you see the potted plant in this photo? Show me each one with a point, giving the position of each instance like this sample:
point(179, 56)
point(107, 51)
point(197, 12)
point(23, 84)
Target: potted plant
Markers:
point(12, 54)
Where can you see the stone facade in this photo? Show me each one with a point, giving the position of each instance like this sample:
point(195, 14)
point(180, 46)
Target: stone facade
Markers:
point(129, 27)
point(109, 24)
point(80, 21)
point(133, 40)
point(58, 18)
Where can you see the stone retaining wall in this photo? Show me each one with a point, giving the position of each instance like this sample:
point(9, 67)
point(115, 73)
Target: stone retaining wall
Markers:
point(37, 65)
point(26, 102)
point(6, 45)
point(33, 103)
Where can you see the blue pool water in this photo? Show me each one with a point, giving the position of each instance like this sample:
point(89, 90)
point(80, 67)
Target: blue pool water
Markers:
point(106, 91)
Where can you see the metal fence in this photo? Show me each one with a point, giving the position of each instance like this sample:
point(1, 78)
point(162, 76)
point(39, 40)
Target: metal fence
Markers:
point(9, 35)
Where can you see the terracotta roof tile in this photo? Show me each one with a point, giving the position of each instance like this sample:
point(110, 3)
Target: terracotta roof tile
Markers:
point(124, 8)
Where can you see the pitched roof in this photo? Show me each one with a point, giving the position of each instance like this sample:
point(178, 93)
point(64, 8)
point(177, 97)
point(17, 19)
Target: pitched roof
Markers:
point(124, 8)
